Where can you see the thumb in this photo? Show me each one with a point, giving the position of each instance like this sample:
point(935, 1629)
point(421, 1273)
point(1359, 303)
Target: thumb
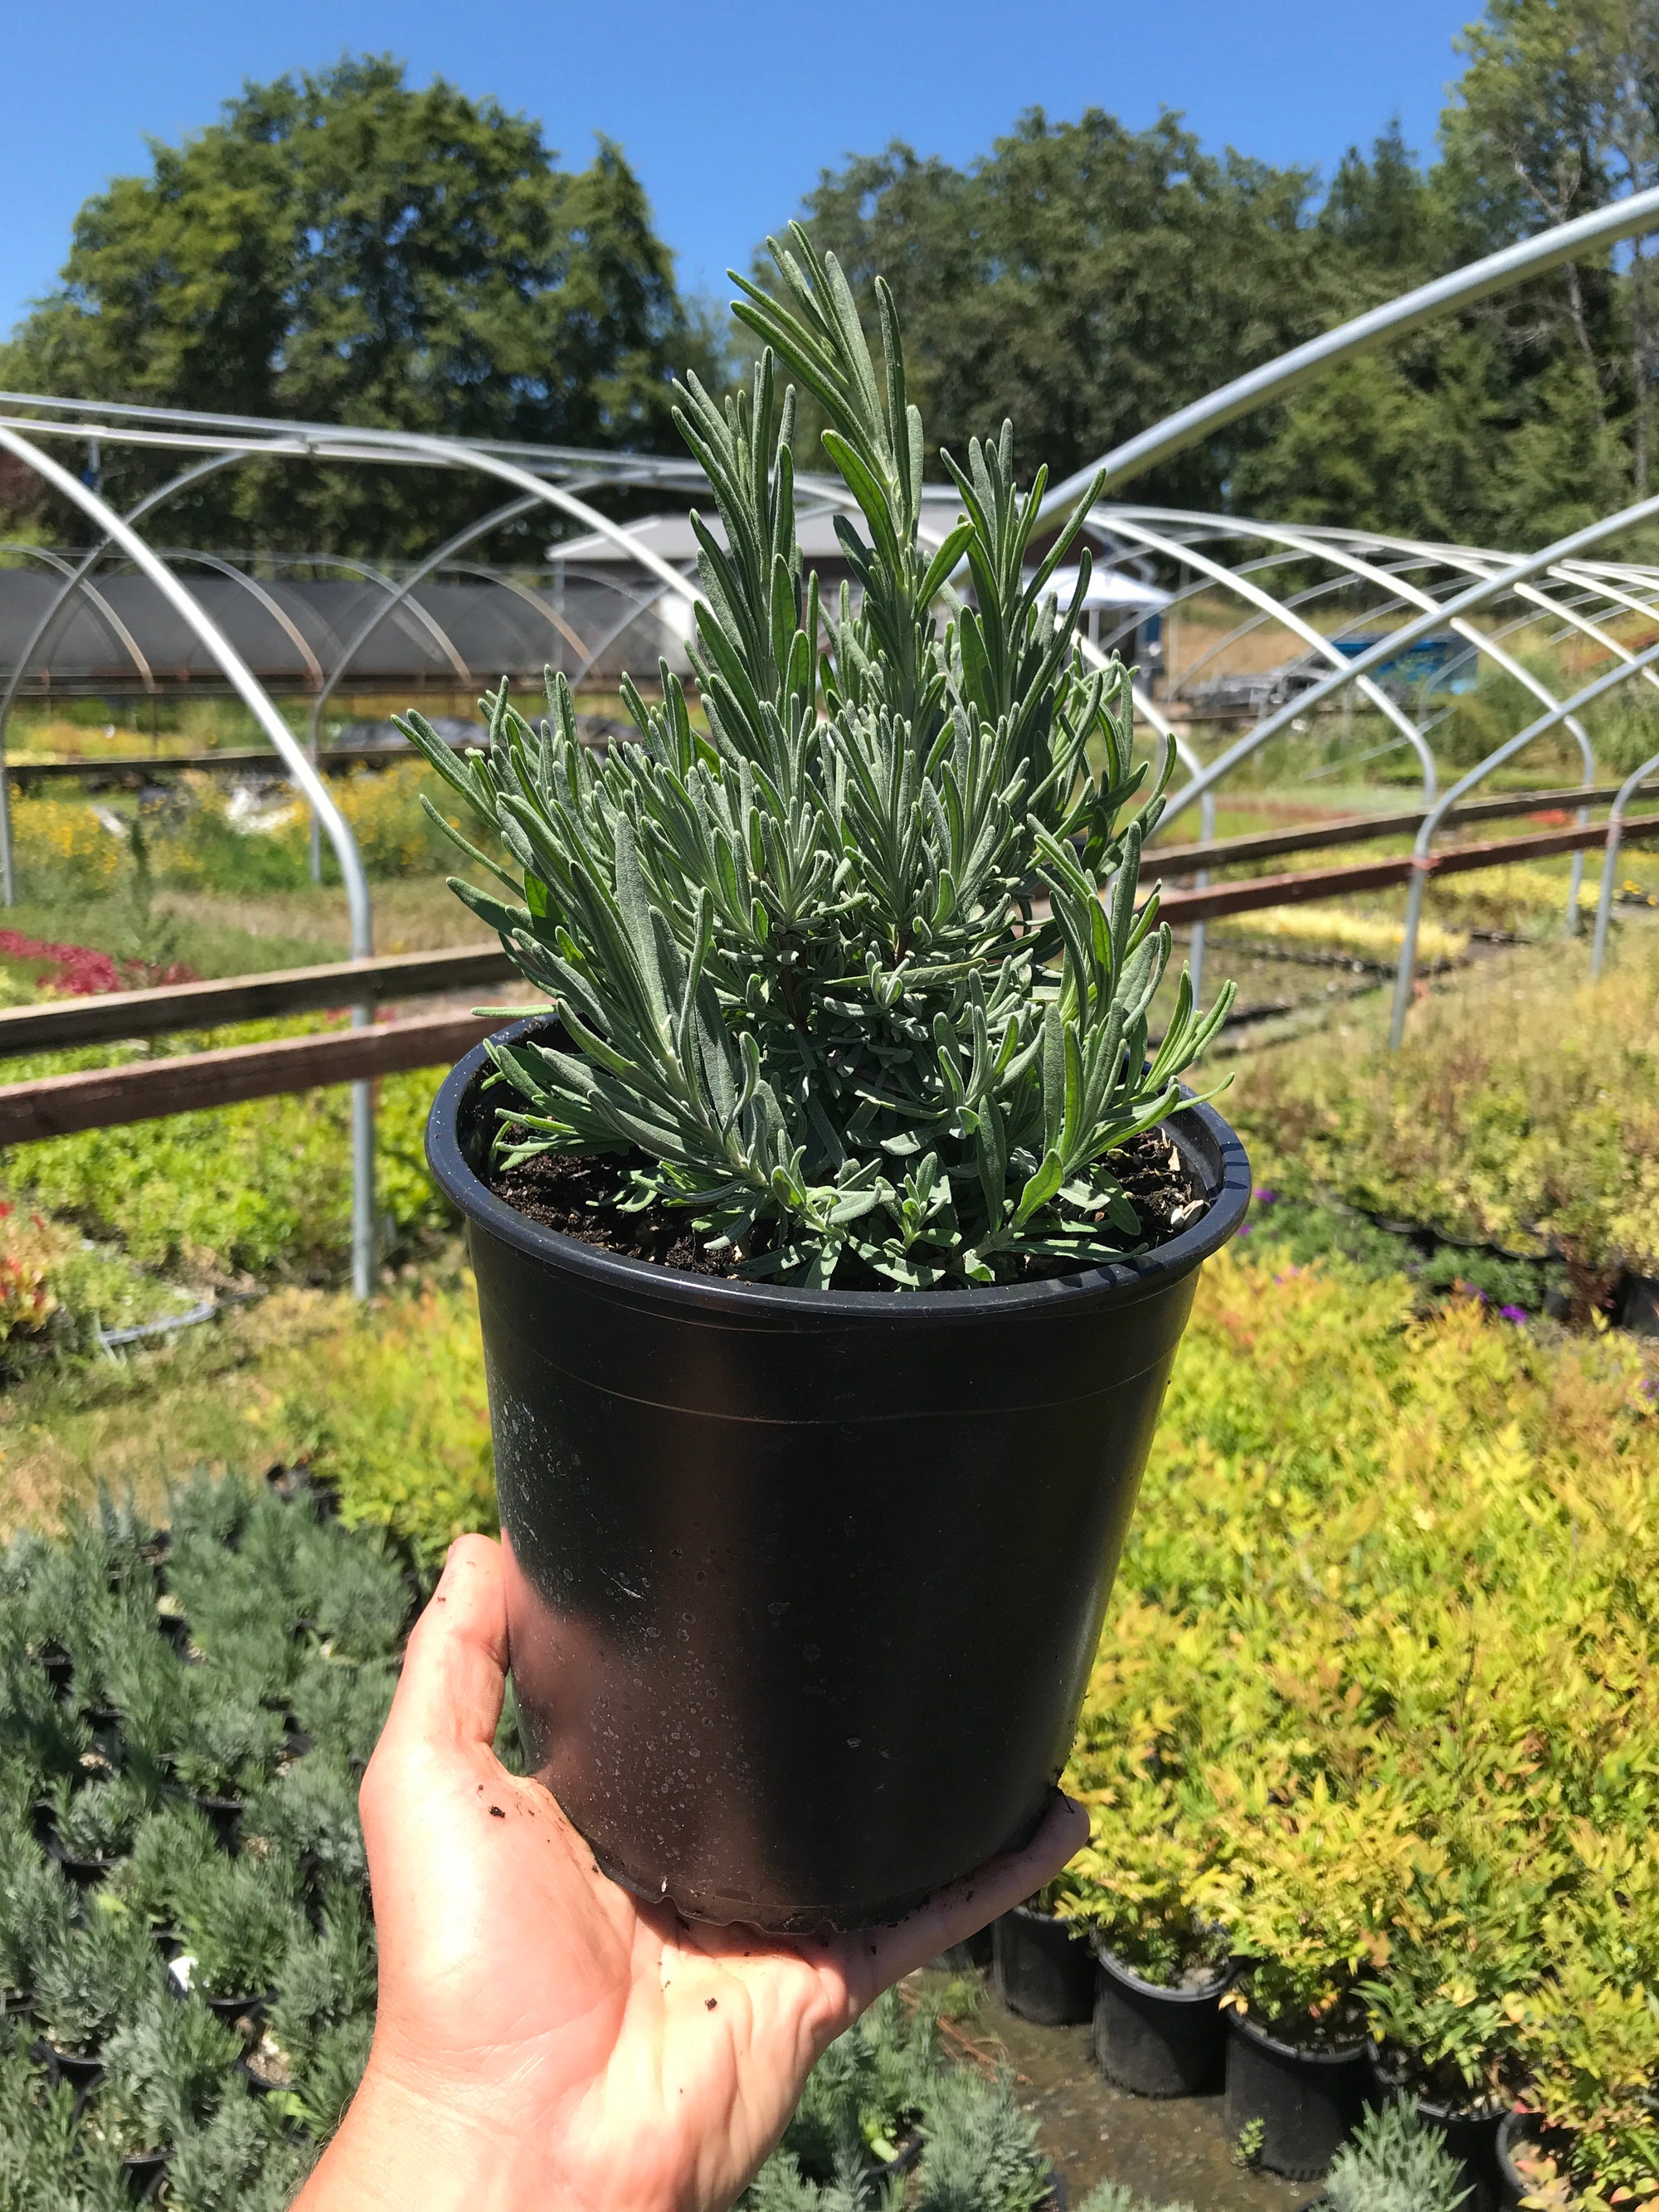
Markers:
point(454, 1674)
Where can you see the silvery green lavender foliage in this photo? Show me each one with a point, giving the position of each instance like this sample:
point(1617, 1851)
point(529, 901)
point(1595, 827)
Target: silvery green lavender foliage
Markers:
point(857, 977)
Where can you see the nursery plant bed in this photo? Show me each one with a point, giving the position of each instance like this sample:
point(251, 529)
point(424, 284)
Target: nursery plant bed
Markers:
point(781, 1723)
point(1159, 2041)
point(1166, 2151)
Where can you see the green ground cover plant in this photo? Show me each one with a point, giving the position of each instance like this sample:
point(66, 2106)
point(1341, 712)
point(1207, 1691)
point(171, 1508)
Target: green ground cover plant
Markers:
point(262, 1187)
point(1377, 1696)
point(398, 1422)
point(1473, 1131)
point(287, 1916)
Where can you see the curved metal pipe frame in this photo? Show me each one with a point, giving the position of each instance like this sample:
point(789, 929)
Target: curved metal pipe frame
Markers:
point(41, 636)
point(1471, 600)
point(412, 611)
point(399, 593)
point(1405, 976)
point(1627, 791)
point(260, 705)
point(1328, 546)
point(1312, 637)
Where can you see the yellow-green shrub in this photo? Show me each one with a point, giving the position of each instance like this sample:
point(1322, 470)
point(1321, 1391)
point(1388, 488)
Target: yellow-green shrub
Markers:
point(209, 849)
point(60, 847)
point(1381, 1673)
point(1526, 1116)
point(393, 1413)
point(1333, 928)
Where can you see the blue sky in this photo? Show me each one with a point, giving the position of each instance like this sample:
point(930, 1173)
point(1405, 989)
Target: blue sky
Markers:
point(727, 110)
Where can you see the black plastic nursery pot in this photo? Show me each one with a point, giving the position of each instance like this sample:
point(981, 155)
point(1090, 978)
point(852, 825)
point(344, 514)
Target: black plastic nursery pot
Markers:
point(224, 1816)
point(1159, 2042)
point(81, 2070)
point(229, 2010)
point(1042, 1967)
point(804, 1586)
point(973, 1956)
point(1471, 2137)
point(1518, 2133)
point(145, 2172)
point(1308, 2101)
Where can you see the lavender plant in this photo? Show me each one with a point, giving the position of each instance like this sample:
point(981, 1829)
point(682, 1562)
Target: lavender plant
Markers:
point(856, 976)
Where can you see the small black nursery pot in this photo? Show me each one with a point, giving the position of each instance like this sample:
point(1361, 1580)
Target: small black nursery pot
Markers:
point(145, 2172)
point(1308, 2101)
point(804, 1586)
point(1470, 2134)
point(1043, 1967)
point(223, 1816)
point(1159, 2042)
point(80, 2069)
point(1521, 2138)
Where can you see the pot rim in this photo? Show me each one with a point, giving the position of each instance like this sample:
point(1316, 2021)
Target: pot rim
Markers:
point(1116, 1282)
point(1340, 2054)
point(1111, 1963)
point(1490, 2111)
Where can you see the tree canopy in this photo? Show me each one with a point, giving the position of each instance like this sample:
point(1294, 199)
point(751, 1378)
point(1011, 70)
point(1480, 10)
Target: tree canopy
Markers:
point(1086, 280)
point(347, 248)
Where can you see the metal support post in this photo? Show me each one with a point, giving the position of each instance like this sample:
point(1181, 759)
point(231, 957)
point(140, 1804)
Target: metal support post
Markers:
point(1627, 791)
point(365, 1218)
point(1405, 976)
point(253, 696)
point(1195, 947)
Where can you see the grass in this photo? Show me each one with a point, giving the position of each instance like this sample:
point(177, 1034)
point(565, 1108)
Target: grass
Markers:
point(227, 933)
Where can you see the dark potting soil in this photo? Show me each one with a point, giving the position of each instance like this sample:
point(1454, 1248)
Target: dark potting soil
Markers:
point(582, 1198)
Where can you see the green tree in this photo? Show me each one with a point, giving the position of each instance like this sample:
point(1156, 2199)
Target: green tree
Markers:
point(1558, 113)
point(1081, 278)
point(1489, 427)
point(347, 248)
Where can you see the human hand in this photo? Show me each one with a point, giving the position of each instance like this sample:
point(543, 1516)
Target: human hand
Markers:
point(544, 2039)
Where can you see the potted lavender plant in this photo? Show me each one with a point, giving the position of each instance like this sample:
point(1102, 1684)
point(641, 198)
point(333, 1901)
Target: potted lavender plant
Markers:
point(836, 1215)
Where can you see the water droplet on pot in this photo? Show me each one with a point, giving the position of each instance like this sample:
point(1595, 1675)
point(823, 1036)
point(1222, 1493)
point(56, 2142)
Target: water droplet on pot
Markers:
point(811, 1651)
point(853, 1741)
